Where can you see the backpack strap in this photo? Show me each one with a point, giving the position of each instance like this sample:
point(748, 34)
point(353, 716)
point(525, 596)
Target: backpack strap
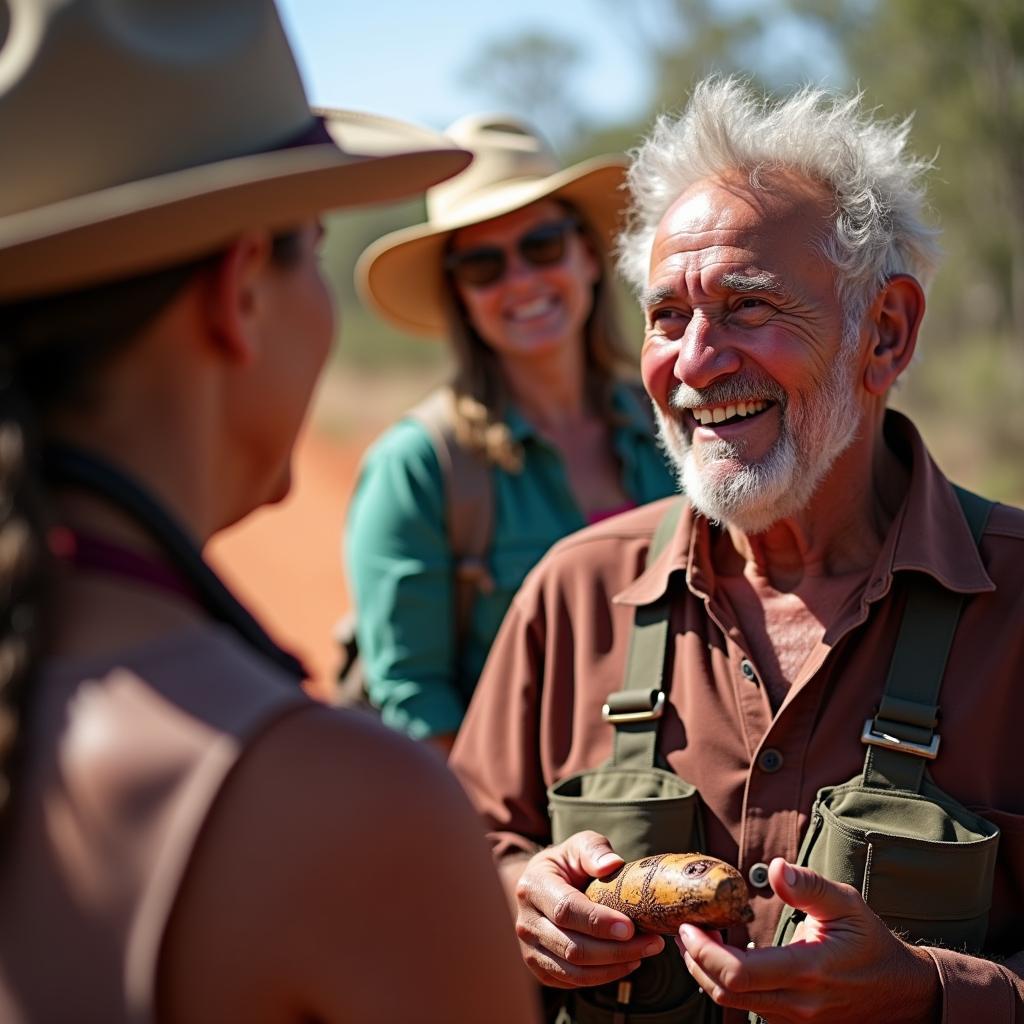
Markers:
point(469, 502)
point(902, 736)
point(635, 710)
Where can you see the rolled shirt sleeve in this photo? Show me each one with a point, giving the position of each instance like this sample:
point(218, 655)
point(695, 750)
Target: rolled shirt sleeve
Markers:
point(399, 566)
point(496, 755)
point(979, 990)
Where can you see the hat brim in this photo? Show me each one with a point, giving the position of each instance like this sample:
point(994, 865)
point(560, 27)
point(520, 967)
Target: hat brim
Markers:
point(401, 276)
point(143, 225)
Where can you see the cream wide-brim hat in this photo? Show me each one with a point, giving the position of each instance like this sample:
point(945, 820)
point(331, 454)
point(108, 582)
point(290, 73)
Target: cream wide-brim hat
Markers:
point(142, 134)
point(401, 274)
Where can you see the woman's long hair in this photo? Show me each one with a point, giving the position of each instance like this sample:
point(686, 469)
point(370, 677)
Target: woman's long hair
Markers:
point(481, 392)
point(51, 351)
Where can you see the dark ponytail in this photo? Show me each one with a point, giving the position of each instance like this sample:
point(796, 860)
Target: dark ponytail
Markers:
point(25, 569)
point(52, 350)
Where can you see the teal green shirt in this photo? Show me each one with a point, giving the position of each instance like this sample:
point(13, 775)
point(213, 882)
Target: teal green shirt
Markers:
point(399, 563)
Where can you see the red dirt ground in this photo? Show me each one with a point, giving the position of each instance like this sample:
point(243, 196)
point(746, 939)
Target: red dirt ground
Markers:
point(284, 562)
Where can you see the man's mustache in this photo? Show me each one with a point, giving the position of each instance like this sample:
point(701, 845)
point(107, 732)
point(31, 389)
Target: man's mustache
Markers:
point(737, 388)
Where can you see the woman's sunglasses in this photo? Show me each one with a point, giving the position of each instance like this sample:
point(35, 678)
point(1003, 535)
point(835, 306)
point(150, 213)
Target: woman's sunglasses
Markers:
point(542, 246)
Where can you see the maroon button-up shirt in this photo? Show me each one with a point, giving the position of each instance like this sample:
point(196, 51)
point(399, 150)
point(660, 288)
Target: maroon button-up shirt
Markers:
point(536, 715)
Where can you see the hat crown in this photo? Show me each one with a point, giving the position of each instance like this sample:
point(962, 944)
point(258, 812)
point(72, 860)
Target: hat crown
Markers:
point(507, 153)
point(104, 92)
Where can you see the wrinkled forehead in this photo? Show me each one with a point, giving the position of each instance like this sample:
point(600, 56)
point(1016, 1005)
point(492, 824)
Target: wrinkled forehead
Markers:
point(728, 218)
point(780, 201)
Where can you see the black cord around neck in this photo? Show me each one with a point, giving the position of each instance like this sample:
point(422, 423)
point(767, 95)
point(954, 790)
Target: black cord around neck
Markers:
point(65, 464)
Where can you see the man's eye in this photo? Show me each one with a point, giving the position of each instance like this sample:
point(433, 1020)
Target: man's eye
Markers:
point(751, 310)
point(663, 315)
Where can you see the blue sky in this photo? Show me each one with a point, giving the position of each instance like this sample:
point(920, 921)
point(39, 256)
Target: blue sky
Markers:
point(405, 57)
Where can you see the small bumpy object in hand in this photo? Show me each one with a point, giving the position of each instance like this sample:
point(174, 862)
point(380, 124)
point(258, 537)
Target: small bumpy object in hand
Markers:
point(660, 893)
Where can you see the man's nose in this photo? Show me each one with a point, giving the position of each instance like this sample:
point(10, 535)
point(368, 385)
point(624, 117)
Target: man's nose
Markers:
point(705, 354)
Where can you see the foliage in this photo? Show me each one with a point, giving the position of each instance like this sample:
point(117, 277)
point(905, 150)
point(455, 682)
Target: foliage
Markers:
point(960, 65)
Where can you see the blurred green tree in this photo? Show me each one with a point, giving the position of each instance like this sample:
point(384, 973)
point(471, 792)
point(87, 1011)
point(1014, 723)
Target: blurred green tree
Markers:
point(684, 40)
point(960, 65)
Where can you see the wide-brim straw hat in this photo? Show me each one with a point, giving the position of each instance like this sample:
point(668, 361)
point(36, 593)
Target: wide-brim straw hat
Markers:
point(401, 275)
point(140, 134)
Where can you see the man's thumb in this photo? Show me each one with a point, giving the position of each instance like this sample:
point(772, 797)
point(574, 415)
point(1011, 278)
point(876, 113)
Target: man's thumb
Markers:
point(594, 854)
point(808, 891)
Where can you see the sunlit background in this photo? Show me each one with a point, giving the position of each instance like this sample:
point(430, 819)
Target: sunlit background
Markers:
point(592, 74)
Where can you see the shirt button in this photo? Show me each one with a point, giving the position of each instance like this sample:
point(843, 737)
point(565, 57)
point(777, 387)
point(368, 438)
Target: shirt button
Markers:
point(748, 670)
point(758, 875)
point(769, 760)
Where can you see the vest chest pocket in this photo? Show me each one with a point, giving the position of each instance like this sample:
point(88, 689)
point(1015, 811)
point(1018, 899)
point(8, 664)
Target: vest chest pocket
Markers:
point(642, 811)
point(922, 861)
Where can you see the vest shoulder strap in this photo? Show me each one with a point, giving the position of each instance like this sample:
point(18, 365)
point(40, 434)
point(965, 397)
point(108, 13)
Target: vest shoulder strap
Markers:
point(635, 710)
point(902, 737)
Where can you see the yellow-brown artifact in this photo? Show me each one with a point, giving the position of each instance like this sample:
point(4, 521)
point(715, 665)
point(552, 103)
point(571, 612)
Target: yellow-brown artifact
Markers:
point(660, 893)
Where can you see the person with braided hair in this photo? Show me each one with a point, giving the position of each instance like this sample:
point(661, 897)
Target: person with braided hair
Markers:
point(184, 834)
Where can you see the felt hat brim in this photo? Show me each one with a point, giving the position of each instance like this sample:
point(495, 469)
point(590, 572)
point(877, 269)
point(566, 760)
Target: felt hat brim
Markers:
point(142, 225)
point(401, 277)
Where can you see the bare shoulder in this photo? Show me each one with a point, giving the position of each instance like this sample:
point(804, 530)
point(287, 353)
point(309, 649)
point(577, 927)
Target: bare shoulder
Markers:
point(341, 875)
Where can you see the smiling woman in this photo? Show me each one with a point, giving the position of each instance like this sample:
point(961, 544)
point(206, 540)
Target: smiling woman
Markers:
point(510, 266)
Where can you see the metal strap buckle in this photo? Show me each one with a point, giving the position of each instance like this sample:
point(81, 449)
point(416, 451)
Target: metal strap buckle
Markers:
point(655, 711)
point(873, 738)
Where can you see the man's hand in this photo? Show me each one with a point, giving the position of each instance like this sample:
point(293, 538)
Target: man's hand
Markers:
point(566, 940)
point(843, 964)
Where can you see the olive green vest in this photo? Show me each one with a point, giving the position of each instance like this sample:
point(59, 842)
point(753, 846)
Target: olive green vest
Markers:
point(890, 831)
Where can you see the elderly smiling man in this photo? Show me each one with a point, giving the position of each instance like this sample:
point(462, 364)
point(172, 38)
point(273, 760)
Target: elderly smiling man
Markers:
point(809, 668)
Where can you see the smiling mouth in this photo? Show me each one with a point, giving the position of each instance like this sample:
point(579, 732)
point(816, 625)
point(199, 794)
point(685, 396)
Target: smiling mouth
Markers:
point(734, 412)
point(532, 310)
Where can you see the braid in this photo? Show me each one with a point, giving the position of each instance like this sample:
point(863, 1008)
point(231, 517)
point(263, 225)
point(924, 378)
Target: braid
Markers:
point(52, 349)
point(25, 574)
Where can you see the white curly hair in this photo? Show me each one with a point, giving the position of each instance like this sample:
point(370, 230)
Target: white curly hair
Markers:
point(879, 228)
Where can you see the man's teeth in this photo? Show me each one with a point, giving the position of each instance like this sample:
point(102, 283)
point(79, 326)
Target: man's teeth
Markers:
point(527, 311)
point(727, 412)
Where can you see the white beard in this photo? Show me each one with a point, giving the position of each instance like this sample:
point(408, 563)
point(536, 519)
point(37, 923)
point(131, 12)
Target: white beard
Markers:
point(753, 495)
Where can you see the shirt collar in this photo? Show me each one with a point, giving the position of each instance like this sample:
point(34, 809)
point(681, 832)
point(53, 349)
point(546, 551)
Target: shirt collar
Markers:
point(679, 555)
point(928, 534)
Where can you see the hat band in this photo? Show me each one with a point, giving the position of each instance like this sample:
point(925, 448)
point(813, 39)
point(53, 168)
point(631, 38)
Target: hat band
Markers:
point(314, 134)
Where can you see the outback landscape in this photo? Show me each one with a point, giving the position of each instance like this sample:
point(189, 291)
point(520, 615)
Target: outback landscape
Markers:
point(284, 561)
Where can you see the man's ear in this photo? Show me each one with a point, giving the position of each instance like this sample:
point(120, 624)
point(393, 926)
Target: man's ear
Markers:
point(232, 296)
point(893, 322)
